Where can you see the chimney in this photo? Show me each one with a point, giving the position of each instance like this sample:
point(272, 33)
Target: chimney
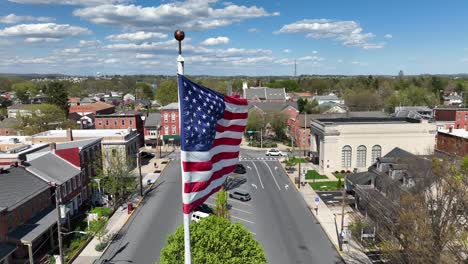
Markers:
point(450, 129)
point(69, 135)
point(52, 146)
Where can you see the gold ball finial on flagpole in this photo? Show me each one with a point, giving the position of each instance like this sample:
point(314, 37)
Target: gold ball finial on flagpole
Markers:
point(179, 35)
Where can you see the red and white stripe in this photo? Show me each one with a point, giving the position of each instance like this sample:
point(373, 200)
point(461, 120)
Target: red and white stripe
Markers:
point(204, 172)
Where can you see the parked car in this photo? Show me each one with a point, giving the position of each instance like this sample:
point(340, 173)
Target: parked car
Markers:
point(197, 216)
point(240, 169)
point(204, 208)
point(146, 155)
point(242, 196)
point(274, 152)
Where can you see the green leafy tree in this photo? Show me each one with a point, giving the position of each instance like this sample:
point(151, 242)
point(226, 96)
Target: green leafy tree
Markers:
point(144, 91)
point(214, 240)
point(167, 92)
point(255, 120)
point(42, 118)
point(97, 227)
point(23, 91)
point(301, 103)
point(311, 107)
point(290, 85)
point(278, 122)
point(58, 95)
point(221, 207)
point(116, 176)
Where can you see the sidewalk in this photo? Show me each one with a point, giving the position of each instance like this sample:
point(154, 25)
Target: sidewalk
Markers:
point(120, 216)
point(330, 221)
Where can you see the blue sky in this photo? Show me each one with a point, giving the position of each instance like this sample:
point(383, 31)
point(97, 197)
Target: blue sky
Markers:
point(232, 38)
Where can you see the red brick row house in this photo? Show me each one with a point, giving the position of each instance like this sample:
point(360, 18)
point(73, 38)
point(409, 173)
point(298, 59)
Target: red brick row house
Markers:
point(170, 123)
point(121, 121)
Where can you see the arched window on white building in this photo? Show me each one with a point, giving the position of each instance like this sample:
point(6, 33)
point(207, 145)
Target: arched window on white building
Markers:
point(361, 156)
point(346, 153)
point(376, 153)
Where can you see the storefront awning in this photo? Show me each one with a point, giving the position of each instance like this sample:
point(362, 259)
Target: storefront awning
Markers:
point(35, 227)
point(171, 137)
point(6, 250)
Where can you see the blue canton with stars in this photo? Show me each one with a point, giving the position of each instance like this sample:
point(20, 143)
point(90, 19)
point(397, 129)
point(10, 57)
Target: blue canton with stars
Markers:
point(201, 108)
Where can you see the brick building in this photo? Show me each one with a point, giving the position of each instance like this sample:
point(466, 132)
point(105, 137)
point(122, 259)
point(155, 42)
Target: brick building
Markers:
point(7, 126)
point(121, 121)
point(452, 141)
point(170, 123)
point(451, 117)
point(27, 216)
point(55, 171)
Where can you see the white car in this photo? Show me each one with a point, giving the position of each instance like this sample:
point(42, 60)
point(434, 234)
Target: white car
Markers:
point(274, 152)
point(197, 216)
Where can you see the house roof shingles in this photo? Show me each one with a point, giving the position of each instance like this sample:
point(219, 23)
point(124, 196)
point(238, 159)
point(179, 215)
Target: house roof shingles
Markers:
point(153, 120)
point(17, 186)
point(52, 168)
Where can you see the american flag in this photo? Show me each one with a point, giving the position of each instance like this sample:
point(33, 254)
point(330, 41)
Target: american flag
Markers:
point(211, 125)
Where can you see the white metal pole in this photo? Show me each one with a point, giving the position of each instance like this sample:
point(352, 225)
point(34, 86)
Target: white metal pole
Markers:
point(187, 250)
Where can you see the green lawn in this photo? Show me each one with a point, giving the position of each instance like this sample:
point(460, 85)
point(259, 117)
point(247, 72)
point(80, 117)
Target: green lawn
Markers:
point(339, 175)
point(324, 186)
point(313, 174)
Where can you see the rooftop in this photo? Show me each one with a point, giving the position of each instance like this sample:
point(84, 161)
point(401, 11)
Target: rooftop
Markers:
point(85, 133)
point(77, 143)
point(272, 106)
point(368, 120)
point(52, 168)
point(171, 106)
point(96, 106)
point(153, 120)
point(455, 132)
point(17, 186)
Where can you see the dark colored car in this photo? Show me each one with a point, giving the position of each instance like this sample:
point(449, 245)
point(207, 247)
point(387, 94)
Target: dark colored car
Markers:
point(204, 208)
point(242, 196)
point(240, 169)
point(146, 155)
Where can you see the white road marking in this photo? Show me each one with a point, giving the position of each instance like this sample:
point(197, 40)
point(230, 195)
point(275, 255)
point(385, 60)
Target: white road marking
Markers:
point(243, 203)
point(272, 175)
point(258, 174)
point(254, 186)
point(232, 208)
point(248, 167)
point(286, 186)
point(238, 218)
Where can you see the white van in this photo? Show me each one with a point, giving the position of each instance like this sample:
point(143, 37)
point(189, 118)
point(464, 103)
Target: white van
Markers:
point(197, 216)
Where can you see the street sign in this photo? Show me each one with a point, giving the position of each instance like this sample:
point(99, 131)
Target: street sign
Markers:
point(250, 132)
point(317, 200)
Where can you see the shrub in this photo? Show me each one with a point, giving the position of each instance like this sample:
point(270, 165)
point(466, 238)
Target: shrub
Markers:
point(336, 172)
point(101, 246)
point(102, 211)
point(342, 171)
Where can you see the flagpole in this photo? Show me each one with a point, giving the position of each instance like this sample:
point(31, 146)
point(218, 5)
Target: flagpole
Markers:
point(179, 36)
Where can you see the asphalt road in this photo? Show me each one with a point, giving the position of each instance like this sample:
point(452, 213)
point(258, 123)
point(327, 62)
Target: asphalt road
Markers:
point(141, 240)
point(277, 216)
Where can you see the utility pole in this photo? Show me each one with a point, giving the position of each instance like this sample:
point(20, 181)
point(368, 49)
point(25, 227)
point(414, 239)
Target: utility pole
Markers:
point(261, 138)
point(59, 224)
point(295, 68)
point(299, 175)
point(139, 171)
point(305, 133)
point(342, 214)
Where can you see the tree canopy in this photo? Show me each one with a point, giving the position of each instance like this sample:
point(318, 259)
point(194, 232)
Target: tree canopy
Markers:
point(57, 95)
point(167, 92)
point(214, 240)
point(43, 117)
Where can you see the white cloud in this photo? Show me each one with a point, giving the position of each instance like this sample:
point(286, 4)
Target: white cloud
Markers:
point(287, 51)
point(43, 32)
point(464, 60)
point(359, 63)
point(109, 61)
point(189, 15)
point(69, 2)
point(144, 56)
point(252, 30)
point(37, 40)
point(136, 36)
point(314, 52)
point(149, 62)
point(349, 33)
point(340, 61)
point(310, 58)
point(388, 36)
point(215, 41)
point(285, 61)
point(71, 51)
point(13, 19)
point(87, 43)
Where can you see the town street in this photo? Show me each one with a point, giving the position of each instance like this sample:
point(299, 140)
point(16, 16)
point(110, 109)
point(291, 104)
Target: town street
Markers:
point(277, 216)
